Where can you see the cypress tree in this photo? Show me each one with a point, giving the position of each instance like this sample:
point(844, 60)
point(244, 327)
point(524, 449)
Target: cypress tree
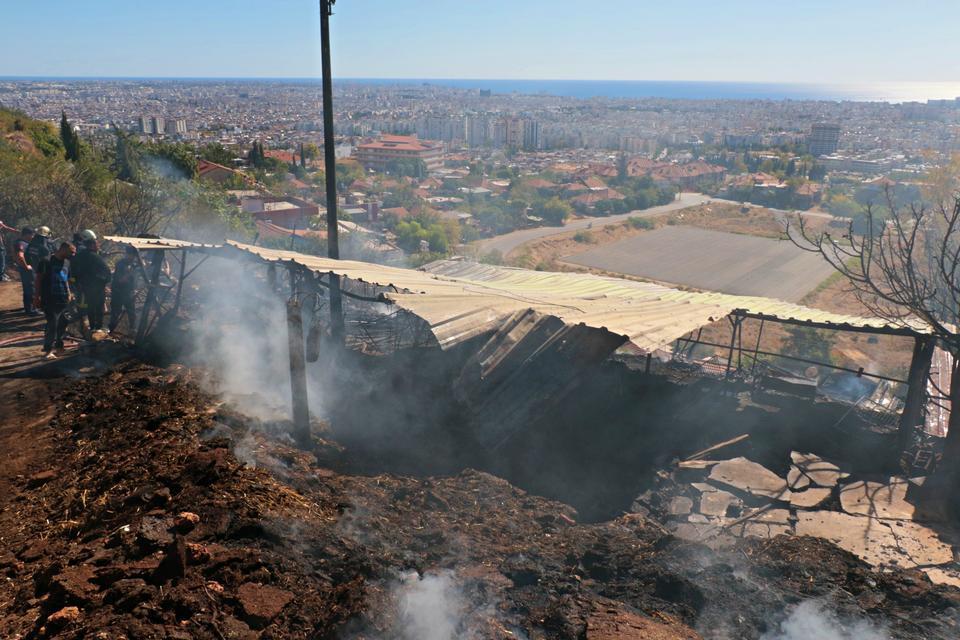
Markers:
point(69, 138)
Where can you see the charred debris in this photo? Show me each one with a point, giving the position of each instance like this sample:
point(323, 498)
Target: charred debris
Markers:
point(728, 454)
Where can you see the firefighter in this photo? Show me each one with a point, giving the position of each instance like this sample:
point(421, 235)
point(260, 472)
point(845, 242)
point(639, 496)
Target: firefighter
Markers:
point(92, 275)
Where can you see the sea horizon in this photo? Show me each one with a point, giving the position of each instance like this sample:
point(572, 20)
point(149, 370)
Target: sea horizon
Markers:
point(890, 92)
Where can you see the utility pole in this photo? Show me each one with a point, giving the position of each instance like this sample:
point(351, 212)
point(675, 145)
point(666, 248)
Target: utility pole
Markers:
point(330, 167)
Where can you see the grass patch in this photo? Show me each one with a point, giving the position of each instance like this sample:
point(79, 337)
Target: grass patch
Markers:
point(640, 223)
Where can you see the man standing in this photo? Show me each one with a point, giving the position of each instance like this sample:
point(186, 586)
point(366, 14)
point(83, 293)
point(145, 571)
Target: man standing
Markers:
point(92, 275)
point(39, 247)
point(123, 287)
point(53, 295)
point(3, 251)
point(25, 270)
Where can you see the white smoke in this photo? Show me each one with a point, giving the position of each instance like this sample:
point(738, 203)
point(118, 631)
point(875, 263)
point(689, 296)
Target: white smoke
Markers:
point(811, 620)
point(430, 607)
point(240, 340)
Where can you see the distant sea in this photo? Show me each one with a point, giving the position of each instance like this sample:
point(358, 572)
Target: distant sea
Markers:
point(873, 92)
point(893, 92)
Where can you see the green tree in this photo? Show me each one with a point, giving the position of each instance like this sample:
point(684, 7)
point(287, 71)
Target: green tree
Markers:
point(216, 152)
point(127, 156)
point(69, 138)
point(554, 211)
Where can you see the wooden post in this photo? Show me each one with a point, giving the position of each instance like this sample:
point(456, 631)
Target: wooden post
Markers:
point(298, 373)
point(151, 296)
point(916, 388)
point(183, 275)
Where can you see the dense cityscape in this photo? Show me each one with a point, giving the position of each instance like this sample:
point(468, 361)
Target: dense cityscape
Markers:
point(469, 154)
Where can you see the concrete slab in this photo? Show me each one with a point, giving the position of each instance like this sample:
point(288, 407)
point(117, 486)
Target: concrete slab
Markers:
point(943, 575)
point(680, 506)
point(718, 502)
point(820, 472)
point(796, 479)
point(766, 524)
point(751, 477)
point(878, 542)
point(810, 498)
point(877, 499)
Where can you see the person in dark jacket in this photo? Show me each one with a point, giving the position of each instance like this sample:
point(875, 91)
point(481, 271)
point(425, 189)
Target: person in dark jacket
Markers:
point(92, 275)
point(40, 247)
point(25, 270)
point(53, 296)
point(123, 287)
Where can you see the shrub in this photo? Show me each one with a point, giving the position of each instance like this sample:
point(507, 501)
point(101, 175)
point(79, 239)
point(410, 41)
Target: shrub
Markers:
point(640, 223)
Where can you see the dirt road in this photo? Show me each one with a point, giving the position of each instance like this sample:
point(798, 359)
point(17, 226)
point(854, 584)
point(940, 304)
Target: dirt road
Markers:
point(509, 241)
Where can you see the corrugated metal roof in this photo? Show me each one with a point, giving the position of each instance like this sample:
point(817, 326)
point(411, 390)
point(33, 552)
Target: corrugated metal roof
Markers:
point(144, 244)
point(461, 299)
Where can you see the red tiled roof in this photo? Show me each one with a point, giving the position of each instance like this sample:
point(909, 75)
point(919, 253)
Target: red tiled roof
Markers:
point(540, 183)
point(400, 212)
point(401, 143)
point(286, 156)
point(270, 230)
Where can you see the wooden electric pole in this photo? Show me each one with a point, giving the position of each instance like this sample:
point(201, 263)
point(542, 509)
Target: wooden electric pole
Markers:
point(330, 168)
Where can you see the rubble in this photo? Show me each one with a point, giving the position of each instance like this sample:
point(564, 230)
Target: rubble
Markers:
point(877, 499)
point(152, 527)
point(877, 541)
point(816, 469)
point(751, 477)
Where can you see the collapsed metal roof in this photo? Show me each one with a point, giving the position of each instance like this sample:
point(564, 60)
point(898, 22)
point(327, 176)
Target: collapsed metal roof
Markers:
point(462, 299)
point(147, 244)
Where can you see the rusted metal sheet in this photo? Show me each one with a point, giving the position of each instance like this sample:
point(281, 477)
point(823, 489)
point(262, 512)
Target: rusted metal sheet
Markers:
point(147, 244)
point(461, 300)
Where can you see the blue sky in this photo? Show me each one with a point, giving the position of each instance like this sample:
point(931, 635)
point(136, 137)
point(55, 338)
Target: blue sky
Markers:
point(835, 41)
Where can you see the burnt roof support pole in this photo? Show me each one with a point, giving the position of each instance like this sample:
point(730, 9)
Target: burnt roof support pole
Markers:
point(735, 325)
point(183, 276)
point(151, 296)
point(912, 415)
point(298, 370)
point(330, 169)
point(756, 349)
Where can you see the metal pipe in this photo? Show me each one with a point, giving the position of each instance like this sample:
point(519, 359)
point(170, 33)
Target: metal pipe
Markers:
point(814, 362)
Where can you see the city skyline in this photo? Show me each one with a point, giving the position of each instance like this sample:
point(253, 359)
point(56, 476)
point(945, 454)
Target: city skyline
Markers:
point(691, 40)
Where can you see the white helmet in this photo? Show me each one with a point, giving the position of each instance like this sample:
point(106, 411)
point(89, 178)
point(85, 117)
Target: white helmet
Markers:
point(44, 231)
point(87, 235)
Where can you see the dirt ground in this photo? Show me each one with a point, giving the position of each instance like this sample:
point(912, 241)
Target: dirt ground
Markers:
point(134, 505)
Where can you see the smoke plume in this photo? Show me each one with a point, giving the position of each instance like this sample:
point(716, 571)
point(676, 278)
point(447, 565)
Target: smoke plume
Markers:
point(810, 619)
point(430, 606)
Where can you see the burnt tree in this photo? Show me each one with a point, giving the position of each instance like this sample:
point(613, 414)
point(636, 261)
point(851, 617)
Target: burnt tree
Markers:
point(903, 265)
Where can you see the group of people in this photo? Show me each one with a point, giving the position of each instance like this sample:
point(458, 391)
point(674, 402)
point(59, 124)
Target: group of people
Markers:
point(68, 281)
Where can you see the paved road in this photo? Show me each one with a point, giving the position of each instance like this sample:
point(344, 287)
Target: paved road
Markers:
point(510, 241)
